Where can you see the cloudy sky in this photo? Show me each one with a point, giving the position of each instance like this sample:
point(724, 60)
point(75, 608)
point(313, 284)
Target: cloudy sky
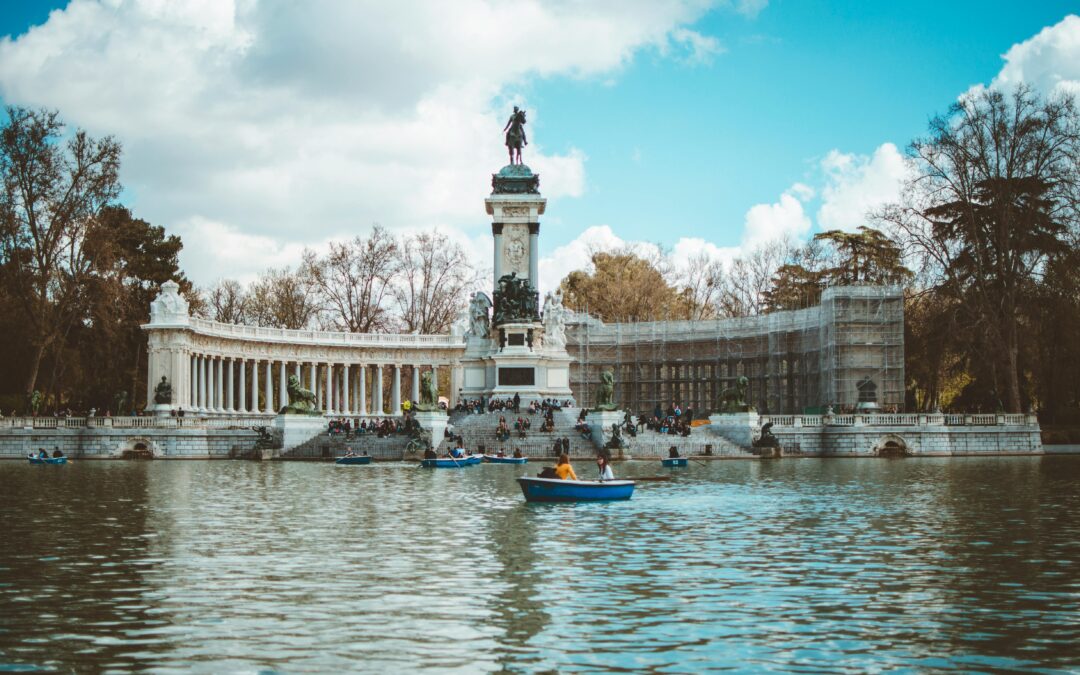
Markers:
point(253, 128)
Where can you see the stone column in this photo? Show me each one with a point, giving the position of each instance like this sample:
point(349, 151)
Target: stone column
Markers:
point(193, 384)
point(330, 388)
point(283, 385)
point(243, 386)
point(534, 255)
point(312, 385)
point(296, 371)
point(496, 235)
point(220, 367)
point(416, 383)
point(345, 407)
point(455, 383)
point(435, 376)
point(229, 392)
point(204, 377)
point(377, 400)
point(395, 392)
point(362, 391)
point(255, 385)
point(269, 388)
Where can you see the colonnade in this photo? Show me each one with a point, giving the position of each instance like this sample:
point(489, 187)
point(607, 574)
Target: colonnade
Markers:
point(231, 385)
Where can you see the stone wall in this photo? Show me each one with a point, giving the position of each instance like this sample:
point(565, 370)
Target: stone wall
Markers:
point(103, 443)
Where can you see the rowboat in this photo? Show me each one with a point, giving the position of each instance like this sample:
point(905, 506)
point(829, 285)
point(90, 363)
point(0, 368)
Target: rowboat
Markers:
point(448, 463)
point(47, 460)
point(675, 461)
point(491, 459)
point(555, 490)
point(357, 459)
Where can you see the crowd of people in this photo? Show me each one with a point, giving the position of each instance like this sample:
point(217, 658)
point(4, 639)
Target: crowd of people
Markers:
point(675, 421)
point(479, 406)
point(380, 427)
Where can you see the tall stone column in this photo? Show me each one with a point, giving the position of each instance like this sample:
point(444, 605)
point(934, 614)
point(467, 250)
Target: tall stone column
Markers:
point(243, 386)
point(416, 383)
point(255, 385)
point(330, 388)
point(283, 385)
point(362, 390)
point(193, 384)
point(497, 235)
point(220, 367)
point(312, 384)
point(534, 255)
point(455, 383)
point(435, 376)
point(296, 371)
point(345, 407)
point(377, 400)
point(230, 399)
point(269, 387)
point(395, 392)
point(204, 383)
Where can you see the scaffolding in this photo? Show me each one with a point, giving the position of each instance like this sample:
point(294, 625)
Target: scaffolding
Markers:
point(846, 351)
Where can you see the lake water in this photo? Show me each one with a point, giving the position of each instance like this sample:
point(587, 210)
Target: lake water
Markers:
point(855, 565)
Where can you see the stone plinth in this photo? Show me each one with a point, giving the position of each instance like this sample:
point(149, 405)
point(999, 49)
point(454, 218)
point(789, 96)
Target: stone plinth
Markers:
point(434, 421)
point(739, 428)
point(600, 421)
point(160, 409)
point(295, 430)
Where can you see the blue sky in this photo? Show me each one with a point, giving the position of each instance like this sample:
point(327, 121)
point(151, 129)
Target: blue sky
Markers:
point(633, 128)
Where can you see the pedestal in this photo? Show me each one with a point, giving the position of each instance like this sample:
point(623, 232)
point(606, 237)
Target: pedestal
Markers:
point(296, 430)
point(739, 428)
point(434, 421)
point(600, 421)
point(160, 409)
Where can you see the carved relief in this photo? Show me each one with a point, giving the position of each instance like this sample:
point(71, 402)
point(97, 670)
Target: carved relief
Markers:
point(515, 211)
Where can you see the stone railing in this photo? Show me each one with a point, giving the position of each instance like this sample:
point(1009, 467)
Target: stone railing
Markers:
point(187, 422)
point(899, 420)
point(260, 333)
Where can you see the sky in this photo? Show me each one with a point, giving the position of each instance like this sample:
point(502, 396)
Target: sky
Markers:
point(255, 128)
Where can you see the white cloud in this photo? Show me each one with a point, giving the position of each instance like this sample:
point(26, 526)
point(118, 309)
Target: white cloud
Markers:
point(855, 185)
point(1049, 61)
point(783, 219)
point(296, 123)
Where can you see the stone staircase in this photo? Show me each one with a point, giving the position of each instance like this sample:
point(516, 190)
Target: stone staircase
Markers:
point(479, 430)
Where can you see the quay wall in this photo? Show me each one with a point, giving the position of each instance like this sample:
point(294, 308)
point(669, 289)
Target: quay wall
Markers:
point(105, 443)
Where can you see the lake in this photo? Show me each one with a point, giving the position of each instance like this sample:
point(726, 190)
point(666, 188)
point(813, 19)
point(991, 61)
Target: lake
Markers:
point(839, 565)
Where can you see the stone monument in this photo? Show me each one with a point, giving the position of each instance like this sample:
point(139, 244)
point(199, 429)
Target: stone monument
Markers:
point(605, 419)
point(427, 412)
point(511, 346)
point(299, 421)
point(736, 420)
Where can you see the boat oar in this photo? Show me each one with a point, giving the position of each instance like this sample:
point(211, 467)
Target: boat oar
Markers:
point(650, 478)
point(698, 461)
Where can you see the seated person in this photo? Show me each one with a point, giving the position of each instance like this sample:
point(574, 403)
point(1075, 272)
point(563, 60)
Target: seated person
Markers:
point(605, 468)
point(501, 453)
point(517, 453)
point(673, 452)
point(57, 453)
point(430, 453)
point(458, 452)
point(563, 469)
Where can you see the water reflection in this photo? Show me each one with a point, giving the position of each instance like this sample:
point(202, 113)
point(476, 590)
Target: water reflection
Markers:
point(839, 565)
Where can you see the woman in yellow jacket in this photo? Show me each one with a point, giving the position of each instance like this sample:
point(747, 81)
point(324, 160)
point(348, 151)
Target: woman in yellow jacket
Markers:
point(563, 468)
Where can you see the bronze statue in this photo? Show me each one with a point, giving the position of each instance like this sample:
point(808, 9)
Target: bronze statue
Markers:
point(515, 135)
point(605, 392)
point(301, 401)
point(163, 392)
point(515, 300)
point(733, 399)
point(429, 394)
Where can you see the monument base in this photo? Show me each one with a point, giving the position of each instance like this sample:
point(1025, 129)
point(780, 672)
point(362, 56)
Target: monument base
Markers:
point(600, 421)
point(160, 409)
point(739, 428)
point(295, 430)
point(434, 421)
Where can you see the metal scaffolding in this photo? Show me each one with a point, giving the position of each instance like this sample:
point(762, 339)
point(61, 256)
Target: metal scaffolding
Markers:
point(847, 350)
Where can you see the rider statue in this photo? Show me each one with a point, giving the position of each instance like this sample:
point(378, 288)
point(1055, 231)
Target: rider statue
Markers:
point(515, 135)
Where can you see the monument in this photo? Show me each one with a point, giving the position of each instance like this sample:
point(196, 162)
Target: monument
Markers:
point(605, 419)
point(512, 347)
point(300, 420)
point(736, 420)
point(428, 414)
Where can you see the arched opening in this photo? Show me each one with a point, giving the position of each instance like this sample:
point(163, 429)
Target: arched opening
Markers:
point(891, 446)
point(138, 451)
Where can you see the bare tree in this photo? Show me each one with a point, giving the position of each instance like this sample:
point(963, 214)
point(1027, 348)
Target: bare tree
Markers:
point(49, 194)
point(700, 285)
point(433, 277)
point(353, 281)
point(750, 278)
point(282, 299)
point(226, 301)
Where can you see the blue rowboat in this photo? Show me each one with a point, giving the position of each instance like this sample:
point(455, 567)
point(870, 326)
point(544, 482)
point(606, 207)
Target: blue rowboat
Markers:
point(360, 459)
point(555, 490)
point(447, 463)
point(505, 460)
point(48, 460)
point(675, 461)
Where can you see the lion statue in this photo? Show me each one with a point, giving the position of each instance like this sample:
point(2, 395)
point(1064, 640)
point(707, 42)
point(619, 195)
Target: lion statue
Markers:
point(605, 392)
point(733, 399)
point(301, 401)
point(429, 394)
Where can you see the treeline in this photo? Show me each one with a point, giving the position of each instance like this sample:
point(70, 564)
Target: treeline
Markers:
point(380, 283)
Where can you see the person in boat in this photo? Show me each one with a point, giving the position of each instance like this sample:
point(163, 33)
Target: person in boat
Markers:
point(42, 454)
point(604, 466)
point(430, 453)
point(458, 452)
point(672, 452)
point(57, 452)
point(501, 453)
point(517, 453)
point(563, 469)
